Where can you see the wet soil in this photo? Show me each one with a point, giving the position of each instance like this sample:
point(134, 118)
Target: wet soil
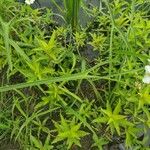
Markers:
point(9, 146)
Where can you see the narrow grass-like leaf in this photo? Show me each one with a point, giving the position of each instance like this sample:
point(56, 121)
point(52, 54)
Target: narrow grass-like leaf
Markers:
point(72, 8)
point(19, 50)
point(5, 34)
point(76, 76)
point(30, 119)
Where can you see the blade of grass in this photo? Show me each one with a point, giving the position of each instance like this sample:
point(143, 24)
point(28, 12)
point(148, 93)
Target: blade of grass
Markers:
point(30, 119)
point(5, 34)
point(19, 50)
point(76, 76)
point(72, 8)
point(50, 80)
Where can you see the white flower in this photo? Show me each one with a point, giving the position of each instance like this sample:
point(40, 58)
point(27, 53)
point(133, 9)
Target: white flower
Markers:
point(146, 78)
point(147, 69)
point(29, 2)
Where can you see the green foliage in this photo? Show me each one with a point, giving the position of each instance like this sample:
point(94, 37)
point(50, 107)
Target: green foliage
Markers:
point(97, 41)
point(84, 90)
point(38, 144)
point(70, 131)
point(80, 38)
point(72, 12)
point(99, 142)
point(113, 118)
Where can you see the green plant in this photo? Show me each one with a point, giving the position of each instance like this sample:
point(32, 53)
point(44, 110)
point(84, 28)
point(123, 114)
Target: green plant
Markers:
point(97, 41)
point(72, 12)
point(70, 131)
point(99, 142)
point(38, 144)
point(58, 89)
point(80, 39)
point(113, 118)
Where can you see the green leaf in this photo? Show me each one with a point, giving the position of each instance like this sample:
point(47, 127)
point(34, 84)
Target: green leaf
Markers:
point(36, 142)
point(17, 105)
point(19, 50)
point(69, 131)
point(117, 108)
point(101, 120)
point(4, 126)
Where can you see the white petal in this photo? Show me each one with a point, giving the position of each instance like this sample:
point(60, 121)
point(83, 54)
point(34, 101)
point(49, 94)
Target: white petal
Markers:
point(29, 2)
point(147, 69)
point(32, 1)
point(146, 79)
